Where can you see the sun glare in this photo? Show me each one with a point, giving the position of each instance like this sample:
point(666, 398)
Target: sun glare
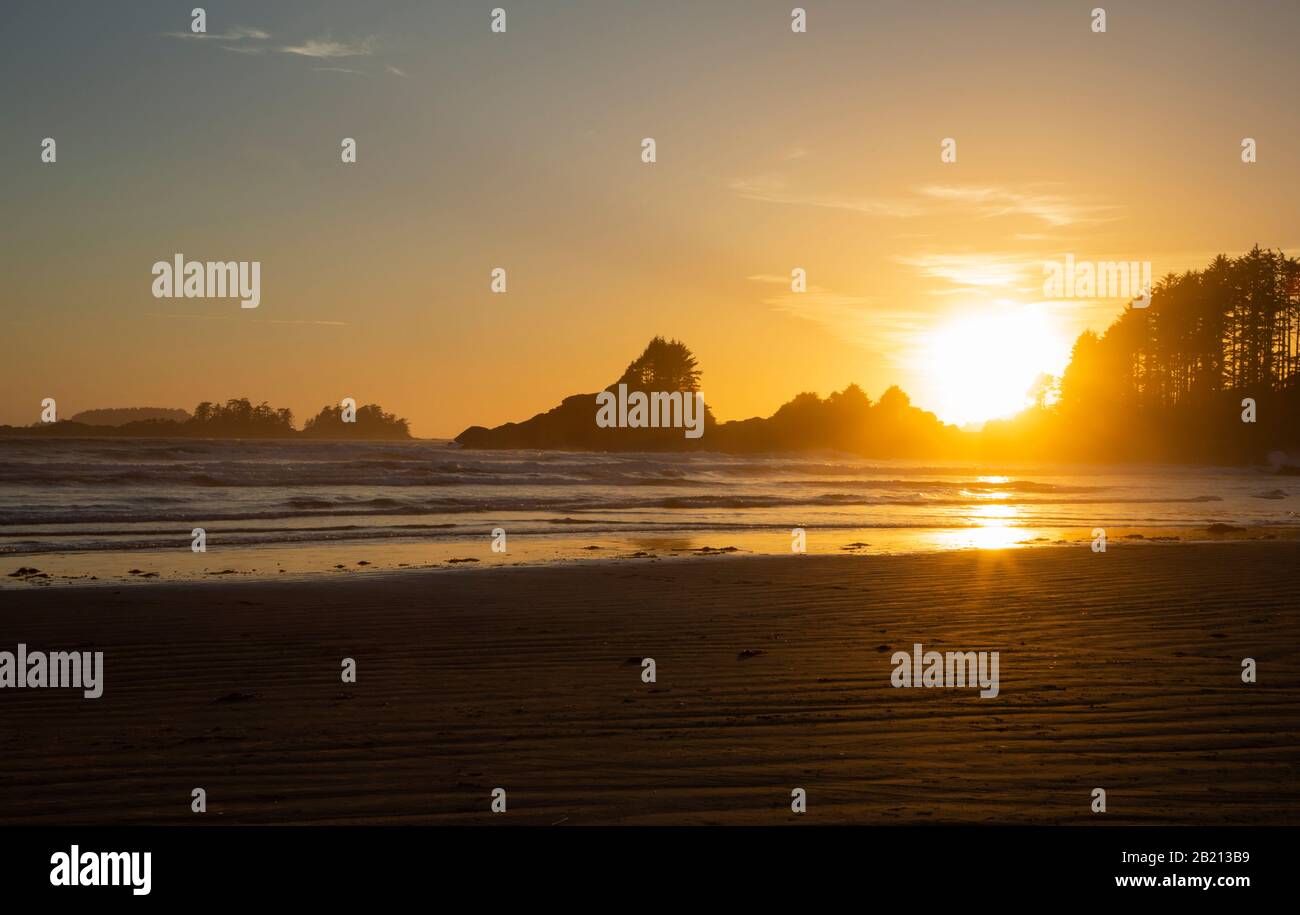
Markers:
point(985, 367)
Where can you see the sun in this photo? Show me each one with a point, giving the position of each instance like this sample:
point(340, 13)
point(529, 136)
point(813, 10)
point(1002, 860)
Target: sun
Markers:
point(985, 367)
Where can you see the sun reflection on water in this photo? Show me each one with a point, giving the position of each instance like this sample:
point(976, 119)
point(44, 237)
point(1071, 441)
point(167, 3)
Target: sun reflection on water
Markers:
point(995, 529)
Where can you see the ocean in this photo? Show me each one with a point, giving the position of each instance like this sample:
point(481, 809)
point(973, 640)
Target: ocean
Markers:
point(126, 509)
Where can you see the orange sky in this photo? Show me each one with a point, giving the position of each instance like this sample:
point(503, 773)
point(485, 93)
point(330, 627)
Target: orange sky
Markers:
point(775, 151)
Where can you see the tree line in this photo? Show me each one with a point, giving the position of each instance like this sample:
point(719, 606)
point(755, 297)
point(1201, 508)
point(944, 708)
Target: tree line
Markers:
point(239, 417)
point(1209, 370)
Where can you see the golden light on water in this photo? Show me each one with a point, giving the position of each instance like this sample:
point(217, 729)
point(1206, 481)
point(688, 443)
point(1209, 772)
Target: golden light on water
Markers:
point(989, 495)
point(995, 529)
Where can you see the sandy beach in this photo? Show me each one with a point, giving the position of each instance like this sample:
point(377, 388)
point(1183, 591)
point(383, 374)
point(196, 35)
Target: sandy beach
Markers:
point(1118, 670)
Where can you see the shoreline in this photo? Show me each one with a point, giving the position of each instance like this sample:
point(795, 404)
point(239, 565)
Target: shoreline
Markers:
point(974, 457)
point(1119, 670)
point(304, 562)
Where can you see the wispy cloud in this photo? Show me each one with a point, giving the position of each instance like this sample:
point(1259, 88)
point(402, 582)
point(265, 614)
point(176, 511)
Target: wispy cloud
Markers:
point(245, 318)
point(984, 270)
point(773, 190)
point(236, 33)
point(1053, 209)
point(250, 40)
point(329, 48)
point(863, 320)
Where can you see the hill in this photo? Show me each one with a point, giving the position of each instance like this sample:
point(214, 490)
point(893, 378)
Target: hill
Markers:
point(846, 420)
point(120, 416)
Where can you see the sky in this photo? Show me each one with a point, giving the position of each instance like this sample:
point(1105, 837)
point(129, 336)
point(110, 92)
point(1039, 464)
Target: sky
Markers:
point(523, 150)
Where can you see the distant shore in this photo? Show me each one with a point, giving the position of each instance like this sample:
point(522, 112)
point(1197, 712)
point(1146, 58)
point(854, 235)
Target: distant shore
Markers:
point(1119, 670)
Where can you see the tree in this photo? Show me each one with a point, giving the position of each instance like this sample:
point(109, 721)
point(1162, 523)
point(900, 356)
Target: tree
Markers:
point(664, 365)
point(371, 422)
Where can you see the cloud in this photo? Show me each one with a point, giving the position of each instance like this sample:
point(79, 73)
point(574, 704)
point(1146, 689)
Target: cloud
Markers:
point(337, 70)
point(1053, 209)
point(328, 48)
point(245, 318)
point(980, 271)
point(861, 320)
point(396, 72)
point(316, 48)
point(237, 33)
point(772, 190)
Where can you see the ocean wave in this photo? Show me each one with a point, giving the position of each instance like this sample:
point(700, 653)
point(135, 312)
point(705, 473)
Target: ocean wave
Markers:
point(138, 490)
point(342, 507)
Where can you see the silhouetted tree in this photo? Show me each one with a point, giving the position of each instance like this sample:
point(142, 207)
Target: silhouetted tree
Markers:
point(238, 417)
point(371, 423)
point(665, 365)
point(1167, 381)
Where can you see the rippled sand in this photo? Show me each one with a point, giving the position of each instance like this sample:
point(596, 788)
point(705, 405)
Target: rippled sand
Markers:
point(1118, 670)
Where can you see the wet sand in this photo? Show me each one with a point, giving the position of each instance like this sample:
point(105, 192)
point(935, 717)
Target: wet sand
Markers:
point(1119, 670)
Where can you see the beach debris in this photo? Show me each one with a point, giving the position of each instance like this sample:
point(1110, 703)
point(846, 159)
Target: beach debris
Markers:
point(461, 560)
point(634, 661)
point(25, 572)
point(856, 545)
point(1271, 494)
point(237, 697)
point(749, 653)
point(363, 563)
